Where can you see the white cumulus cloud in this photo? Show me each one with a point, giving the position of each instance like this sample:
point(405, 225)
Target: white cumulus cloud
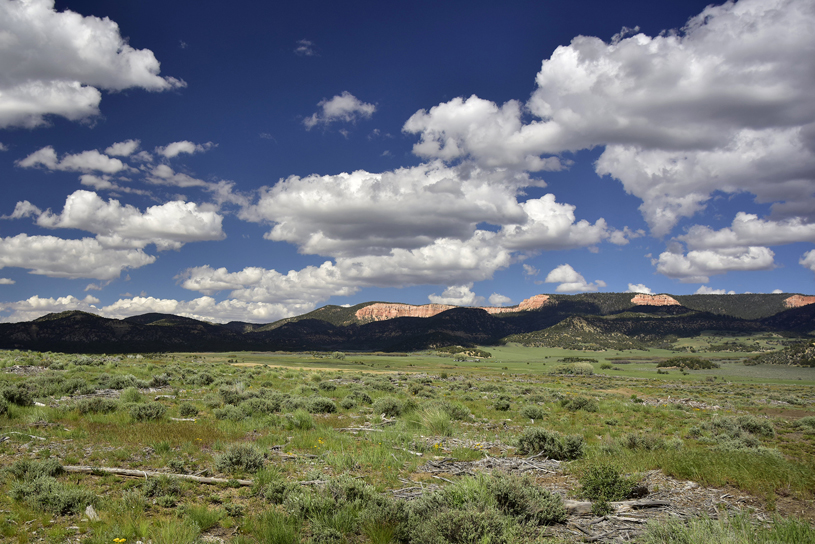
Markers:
point(639, 288)
point(61, 258)
point(720, 105)
point(176, 148)
point(162, 174)
point(168, 226)
point(342, 107)
point(54, 63)
point(748, 230)
point(457, 295)
point(705, 290)
point(808, 260)
point(571, 281)
point(123, 149)
point(497, 299)
point(698, 265)
point(87, 161)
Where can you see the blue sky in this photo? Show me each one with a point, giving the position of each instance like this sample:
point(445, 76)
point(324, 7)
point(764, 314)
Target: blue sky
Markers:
point(252, 161)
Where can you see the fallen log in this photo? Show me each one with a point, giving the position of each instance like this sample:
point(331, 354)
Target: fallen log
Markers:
point(584, 507)
point(145, 473)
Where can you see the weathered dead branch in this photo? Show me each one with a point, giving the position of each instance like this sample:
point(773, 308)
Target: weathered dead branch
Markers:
point(133, 473)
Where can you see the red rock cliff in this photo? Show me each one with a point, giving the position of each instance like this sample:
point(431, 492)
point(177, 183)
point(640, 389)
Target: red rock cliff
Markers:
point(381, 311)
point(796, 301)
point(654, 300)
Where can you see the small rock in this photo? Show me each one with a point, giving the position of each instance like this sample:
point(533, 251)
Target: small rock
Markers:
point(91, 513)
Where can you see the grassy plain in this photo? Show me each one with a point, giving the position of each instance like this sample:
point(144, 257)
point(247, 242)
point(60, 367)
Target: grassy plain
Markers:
point(327, 438)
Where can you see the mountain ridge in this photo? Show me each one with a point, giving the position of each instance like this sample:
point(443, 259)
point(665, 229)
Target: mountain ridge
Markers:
point(589, 319)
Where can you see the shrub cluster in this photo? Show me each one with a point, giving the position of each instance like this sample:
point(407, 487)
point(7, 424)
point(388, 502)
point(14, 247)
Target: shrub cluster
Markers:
point(574, 404)
point(583, 369)
point(551, 444)
point(96, 405)
point(240, 457)
point(532, 411)
point(690, 363)
point(147, 412)
point(390, 406)
point(35, 484)
point(603, 484)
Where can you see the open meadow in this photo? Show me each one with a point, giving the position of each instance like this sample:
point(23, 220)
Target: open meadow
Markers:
point(527, 445)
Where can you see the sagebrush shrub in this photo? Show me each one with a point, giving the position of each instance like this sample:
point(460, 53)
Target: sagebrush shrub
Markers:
point(257, 407)
point(574, 404)
point(533, 412)
point(96, 405)
point(121, 381)
point(300, 419)
point(159, 380)
point(321, 405)
point(212, 401)
point(202, 378)
point(187, 409)
point(30, 469)
point(806, 422)
point(131, 394)
point(18, 394)
point(455, 410)
point(229, 412)
point(551, 444)
point(454, 526)
point(147, 412)
point(605, 483)
point(649, 442)
point(584, 369)
point(502, 405)
point(49, 495)
point(361, 396)
point(230, 395)
point(520, 497)
point(239, 457)
point(390, 406)
point(161, 486)
point(292, 404)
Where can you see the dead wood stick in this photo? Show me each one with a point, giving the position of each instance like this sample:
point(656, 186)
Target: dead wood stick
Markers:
point(440, 478)
point(145, 473)
point(416, 453)
point(355, 429)
point(28, 435)
point(640, 504)
point(582, 530)
point(633, 520)
point(182, 419)
point(600, 537)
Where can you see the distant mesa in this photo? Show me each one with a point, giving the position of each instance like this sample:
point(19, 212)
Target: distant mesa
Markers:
point(654, 300)
point(382, 311)
point(796, 301)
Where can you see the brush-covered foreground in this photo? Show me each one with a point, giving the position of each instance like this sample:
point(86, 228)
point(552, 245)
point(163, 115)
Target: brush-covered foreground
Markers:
point(406, 448)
